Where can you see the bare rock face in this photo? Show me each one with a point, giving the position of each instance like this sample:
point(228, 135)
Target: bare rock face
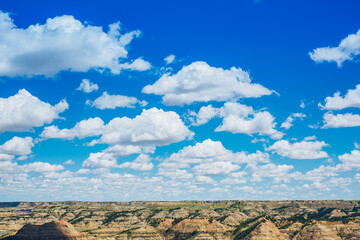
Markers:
point(166, 224)
point(145, 233)
point(317, 231)
point(266, 231)
point(231, 221)
point(336, 213)
point(199, 225)
point(60, 230)
point(206, 236)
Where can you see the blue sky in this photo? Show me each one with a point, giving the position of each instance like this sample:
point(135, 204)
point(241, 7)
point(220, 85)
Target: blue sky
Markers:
point(176, 100)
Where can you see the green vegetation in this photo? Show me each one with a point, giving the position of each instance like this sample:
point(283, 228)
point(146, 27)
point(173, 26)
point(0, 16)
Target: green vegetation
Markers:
point(245, 224)
point(246, 232)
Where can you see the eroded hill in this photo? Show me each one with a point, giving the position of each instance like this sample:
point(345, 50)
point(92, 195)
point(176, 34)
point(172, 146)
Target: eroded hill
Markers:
point(181, 220)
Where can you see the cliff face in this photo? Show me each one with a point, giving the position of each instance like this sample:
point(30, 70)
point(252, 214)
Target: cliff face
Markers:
point(212, 220)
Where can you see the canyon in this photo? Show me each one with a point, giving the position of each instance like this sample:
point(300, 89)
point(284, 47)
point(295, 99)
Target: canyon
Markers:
point(205, 220)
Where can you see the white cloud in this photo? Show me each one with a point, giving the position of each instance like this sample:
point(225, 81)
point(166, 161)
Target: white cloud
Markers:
point(351, 99)
point(63, 43)
point(69, 162)
point(341, 120)
point(351, 161)
point(299, 150)
point(17, 112)
point(278, 172)
point(302, 104)
point(204, 115)
point(6, 157)
point(42, 167)
point(236, 119)
point(235, 178)
point(247, 189)
point(100, 160)
point(87, 87)
point(126, 150)
point(210, 151)
point(85, 128)
point(357, 177)
point(348, 49)
point(141, 163)
point(239, 118)
point(106, 101)
point(17, 146)
point(125, 136)
point(199, 82)
point(169, 59)
point(310, 138)
point(205, 180)
point(138, 64)
point(207, 158)
point(289, 121)
point(215, 168)
point(152, 127)
point(335, 182)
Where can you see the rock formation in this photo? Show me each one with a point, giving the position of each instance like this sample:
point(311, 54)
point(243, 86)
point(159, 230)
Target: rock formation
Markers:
point(266, 231)
point(59, 230)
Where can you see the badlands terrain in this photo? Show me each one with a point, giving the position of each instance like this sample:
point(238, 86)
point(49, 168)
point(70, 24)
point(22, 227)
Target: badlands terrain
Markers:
point(220, 220)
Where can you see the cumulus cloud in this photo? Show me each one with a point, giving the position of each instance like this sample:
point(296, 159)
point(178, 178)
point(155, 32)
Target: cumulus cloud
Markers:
point(87, 87)
point(16, 146)
point(42, 167)
point(239, 118)
point(235, 178)
point(357, 177)
point(100, 160)
point(206, 180)
point(299, 150)
point(207, 158)
point(351, 160)
point(63, 43)
point(262, 123)
point(69, 162)
point(278, 172)
point(119, 150)
point(141, 163)
point(204, 115)
point(348, 49)
point(169, 59)
point(289, 121)
point(154, 127)
point(107, 101)
point(17, 112)
point(136, 65)
point(215, 168)
point(337, 102)
point(341, 120)
point(199, 82)
point(85, 128)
